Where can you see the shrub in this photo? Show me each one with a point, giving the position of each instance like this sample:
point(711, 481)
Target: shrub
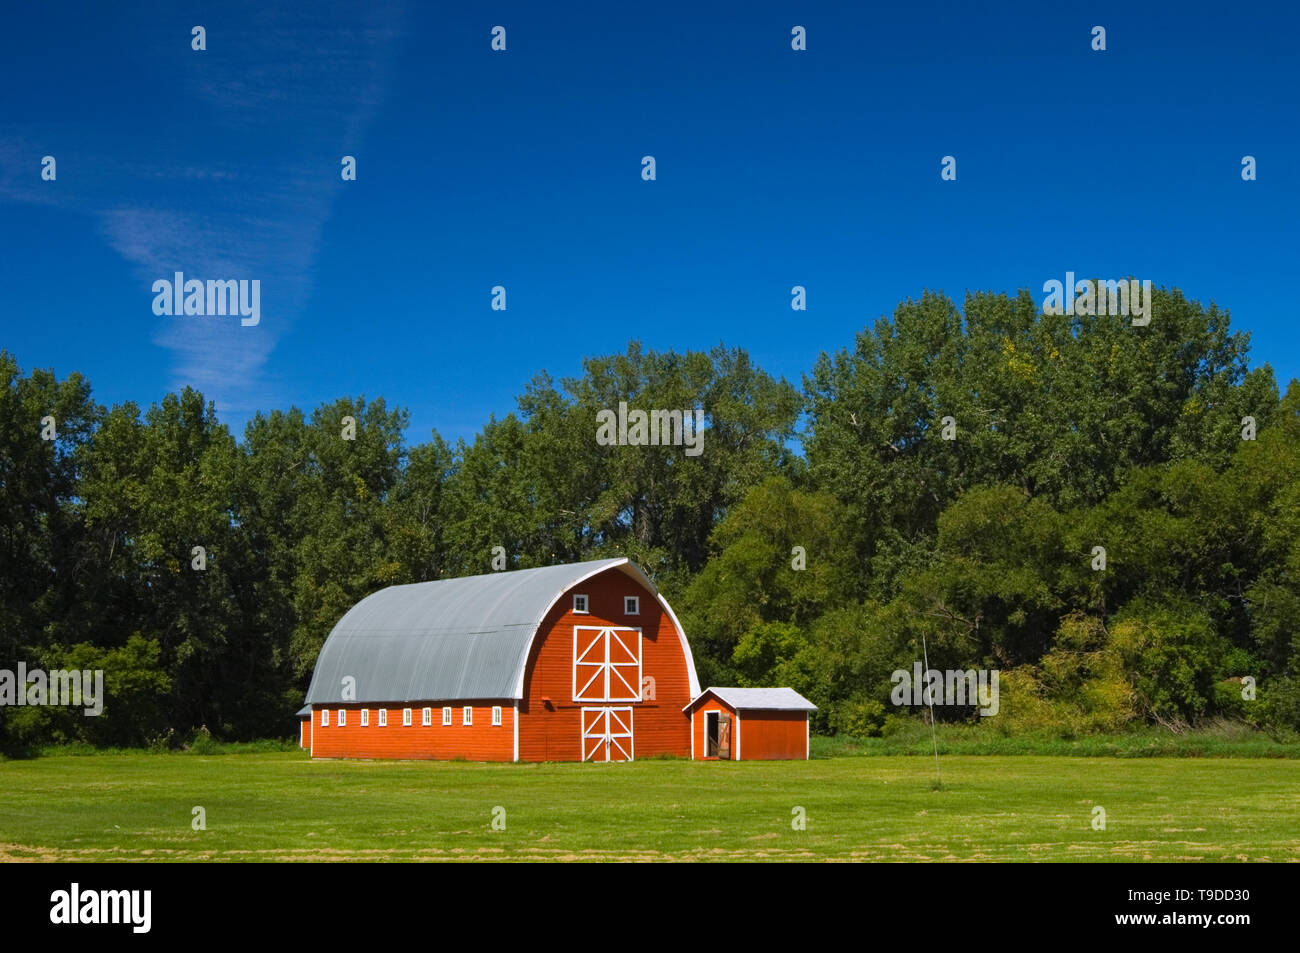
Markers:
point(858, 717)
point(201, 742)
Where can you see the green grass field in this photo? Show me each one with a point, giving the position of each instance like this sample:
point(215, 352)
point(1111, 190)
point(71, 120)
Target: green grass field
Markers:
point(283, 806)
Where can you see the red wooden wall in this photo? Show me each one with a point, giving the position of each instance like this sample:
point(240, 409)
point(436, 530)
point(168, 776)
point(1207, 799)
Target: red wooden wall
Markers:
point(479, 741)
point(773, 736)
point(660, 726)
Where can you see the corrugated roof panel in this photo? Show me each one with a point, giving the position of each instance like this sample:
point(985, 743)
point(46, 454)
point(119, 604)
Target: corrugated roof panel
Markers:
point(766, 699)
point(444, 640)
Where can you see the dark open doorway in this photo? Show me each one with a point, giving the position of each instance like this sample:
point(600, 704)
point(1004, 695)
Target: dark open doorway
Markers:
point(717, 733)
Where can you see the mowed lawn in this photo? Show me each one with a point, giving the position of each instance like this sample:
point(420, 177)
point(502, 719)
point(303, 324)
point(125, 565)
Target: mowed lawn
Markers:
point(283, 806)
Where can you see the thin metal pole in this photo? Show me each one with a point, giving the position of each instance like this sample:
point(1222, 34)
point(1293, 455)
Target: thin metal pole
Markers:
point(925, 654)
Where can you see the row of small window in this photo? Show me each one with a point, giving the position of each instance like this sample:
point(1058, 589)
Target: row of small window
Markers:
point(631, 604)
point(466, 716)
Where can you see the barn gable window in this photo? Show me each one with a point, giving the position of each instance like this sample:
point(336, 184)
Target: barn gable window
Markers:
point(383, 718)
point(631, 605)
point(606, 664)
point(324, 717)
point(446, 715)
point(580, 604)
point(467, 716)
point(496, 714)
point(365, 717)
point(426, 717)
point(406, 716)
point(343, 717)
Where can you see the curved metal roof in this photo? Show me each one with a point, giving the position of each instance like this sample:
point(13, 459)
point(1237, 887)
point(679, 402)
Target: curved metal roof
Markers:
point(450, 639)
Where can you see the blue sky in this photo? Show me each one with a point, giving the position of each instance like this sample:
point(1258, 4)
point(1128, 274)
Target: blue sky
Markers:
point(522, 169)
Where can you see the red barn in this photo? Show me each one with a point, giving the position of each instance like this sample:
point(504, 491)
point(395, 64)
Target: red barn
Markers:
point(580, 662)
point(753, 724)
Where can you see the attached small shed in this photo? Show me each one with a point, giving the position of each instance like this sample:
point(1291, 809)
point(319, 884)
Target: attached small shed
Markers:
point(754, 724)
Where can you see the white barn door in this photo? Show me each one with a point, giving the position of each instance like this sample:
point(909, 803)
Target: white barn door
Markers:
point(606, 668)
point(606, 663)
point(607, 734)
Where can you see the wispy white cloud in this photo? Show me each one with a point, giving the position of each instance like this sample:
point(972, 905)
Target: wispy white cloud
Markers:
point(304, 81)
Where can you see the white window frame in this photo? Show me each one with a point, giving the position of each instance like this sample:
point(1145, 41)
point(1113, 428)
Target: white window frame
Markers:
point(426, 717)
point(467, 715)
point(496, 714)
point(343, 717)
point(446, 715)
point(324, 717)
point(406, 717)
point(365, 718)
point(586, 604)
point(636, 605)
point(606, 692)
point(383, 718)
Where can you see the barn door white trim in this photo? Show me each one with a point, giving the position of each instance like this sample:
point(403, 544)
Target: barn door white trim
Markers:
point(607, 734)
point(606, 663)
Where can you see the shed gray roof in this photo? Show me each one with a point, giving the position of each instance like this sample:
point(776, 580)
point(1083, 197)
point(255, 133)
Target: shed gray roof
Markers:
point(464, 638)
point(304, 711)
point(767, 699)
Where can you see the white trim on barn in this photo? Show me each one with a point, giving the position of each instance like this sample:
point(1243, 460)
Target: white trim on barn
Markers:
point(686, 646)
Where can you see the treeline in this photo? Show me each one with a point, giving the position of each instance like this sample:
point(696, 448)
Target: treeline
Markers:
point(825, 532)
